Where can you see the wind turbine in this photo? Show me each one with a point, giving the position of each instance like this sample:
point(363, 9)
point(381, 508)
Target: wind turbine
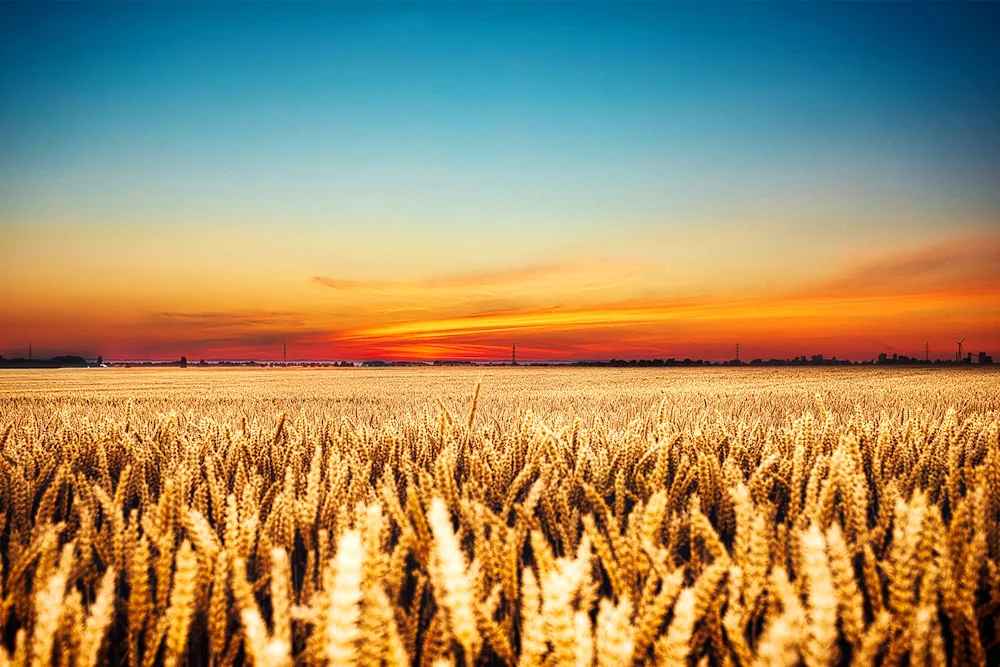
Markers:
point(959, 358)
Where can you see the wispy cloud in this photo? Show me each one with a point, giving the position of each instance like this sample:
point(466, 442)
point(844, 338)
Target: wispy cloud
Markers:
point(589, 274)
point(969, 263)
point(228, 319)
point(341, 285)
point(873, 298)
point(864, 303)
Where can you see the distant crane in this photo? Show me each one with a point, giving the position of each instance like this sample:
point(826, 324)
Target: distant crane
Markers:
point(958, 357)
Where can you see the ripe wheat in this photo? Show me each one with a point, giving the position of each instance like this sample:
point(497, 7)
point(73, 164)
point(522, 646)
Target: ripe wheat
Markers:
point(710, 521)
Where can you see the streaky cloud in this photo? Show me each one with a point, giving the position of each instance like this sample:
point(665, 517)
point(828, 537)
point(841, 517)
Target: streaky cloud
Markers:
point(954, 277)
point(589, 274)
point(946, 265)
point(341, 285)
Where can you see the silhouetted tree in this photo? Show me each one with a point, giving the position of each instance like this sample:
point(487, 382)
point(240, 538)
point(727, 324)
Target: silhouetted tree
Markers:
point(65, 361)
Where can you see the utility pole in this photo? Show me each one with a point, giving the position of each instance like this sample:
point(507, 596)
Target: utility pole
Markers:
point(284, 351)
point(513, 354)
point(927, 351)
point(29, 351)
point(737, 350)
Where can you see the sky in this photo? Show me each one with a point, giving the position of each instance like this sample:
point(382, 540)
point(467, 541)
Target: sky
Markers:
point(441, 181)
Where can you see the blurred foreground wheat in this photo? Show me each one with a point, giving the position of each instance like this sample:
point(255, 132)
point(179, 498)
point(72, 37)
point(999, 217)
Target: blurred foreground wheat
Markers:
point(856, 537)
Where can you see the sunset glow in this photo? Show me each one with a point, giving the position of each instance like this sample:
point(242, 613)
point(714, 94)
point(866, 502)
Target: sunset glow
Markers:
point(444, 181)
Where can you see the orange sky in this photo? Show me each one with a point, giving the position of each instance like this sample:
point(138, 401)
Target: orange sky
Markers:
point(586, 181)
point(856, 305)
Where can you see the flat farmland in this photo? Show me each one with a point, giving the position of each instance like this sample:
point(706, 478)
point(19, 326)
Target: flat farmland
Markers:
point(610, 395)
point(533, 516)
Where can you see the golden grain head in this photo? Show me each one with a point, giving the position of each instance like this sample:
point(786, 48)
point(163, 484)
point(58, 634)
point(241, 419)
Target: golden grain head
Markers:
point(584, 517)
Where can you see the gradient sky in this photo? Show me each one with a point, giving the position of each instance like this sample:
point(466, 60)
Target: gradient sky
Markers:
point(441, 180)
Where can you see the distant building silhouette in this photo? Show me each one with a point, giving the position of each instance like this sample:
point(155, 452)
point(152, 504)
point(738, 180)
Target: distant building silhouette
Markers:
point(69, 361)
point(900, 359)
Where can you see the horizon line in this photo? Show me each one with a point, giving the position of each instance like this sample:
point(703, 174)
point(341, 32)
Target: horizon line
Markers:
point(817, 359)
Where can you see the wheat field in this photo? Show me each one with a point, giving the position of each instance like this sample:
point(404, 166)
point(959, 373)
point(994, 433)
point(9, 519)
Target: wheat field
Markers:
point(500, 516)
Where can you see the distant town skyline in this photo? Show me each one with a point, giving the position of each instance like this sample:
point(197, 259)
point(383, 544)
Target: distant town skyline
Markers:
point(981, 357)
point(438, 181)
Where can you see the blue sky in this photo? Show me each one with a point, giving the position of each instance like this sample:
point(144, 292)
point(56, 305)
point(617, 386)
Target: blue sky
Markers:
point(516, 133)
point(508, 94)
